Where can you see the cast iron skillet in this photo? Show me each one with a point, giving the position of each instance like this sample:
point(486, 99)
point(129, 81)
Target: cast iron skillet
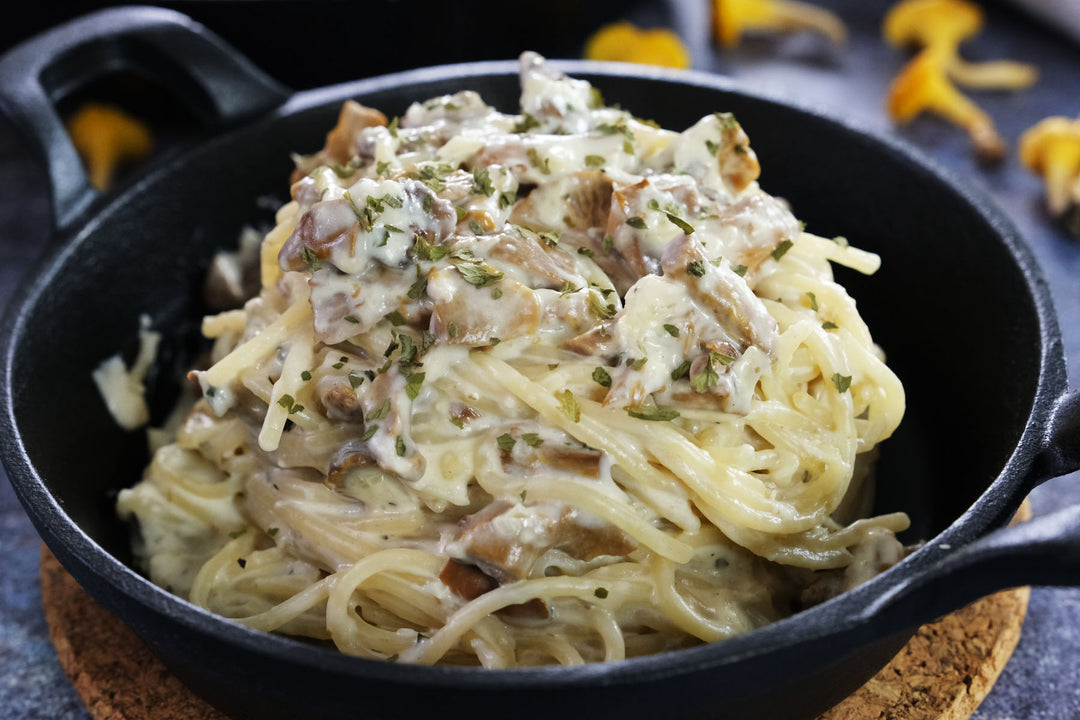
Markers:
point(959, 306)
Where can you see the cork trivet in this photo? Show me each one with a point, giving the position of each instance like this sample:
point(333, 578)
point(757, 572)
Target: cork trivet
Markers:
point(943, 673)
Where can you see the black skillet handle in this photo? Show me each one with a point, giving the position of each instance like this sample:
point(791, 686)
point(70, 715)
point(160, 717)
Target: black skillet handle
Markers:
point(1042, 551)
point(213, 80)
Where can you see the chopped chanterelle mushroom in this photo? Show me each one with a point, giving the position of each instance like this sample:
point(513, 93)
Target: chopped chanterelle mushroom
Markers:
point(939, 27)
point(106, 138)
point(625, 42)
point(1051, 149)
point(733, 18)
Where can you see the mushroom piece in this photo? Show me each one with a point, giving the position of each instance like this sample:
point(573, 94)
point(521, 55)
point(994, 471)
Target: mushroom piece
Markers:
point(623, 41)
point(1051, 149)
point(942, 26)
point(107, 138)
point(732, 18)
point(922, 86)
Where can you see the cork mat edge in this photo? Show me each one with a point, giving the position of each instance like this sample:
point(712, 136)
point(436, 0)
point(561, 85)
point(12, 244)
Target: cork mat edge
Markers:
point(943, 673)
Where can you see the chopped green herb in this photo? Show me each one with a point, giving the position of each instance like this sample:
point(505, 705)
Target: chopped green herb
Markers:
point(413, 383)
point(369, 430)
point(842, 382)
point(569, 405)
point(419, 286)
point(353, 319)
point(493, 341)
point(527, 123)
point(681, 371)
point(541, 164)
point(602, 377)
point(594, 161)
point(636, 221)
point(451, 329)
point(727, 121)
point(496, 293)
point(782, 249)
point(506, 442)
point(653, 412)
point(600, 592)
point(393, 127)
point(696, 268)
point(602, 310)
point(636, 363)
point(712, 146)
point(355, 381)
point(305, 375)
point(380, 412)
point(482, 182)
point(813, 301)
point(587, 252)
point(739, 270)
point(829, 325)
point(479, 275)
point(506, 199)
point(476, 228)
point(671, 330)
point(705, 379)
point(457, 422)
point(395, 318)
point(532, 439)
point(310, 258)
point(399, 446)
point(426, 251)
point(382, 167)
point(607, 244)
point(680, 223)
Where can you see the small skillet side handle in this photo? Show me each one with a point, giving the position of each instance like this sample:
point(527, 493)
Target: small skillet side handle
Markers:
point(1061, 454)
point(1042, 551)
point(219, 85)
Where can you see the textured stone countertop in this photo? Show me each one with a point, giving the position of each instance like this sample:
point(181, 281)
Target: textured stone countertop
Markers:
point(1039, 681)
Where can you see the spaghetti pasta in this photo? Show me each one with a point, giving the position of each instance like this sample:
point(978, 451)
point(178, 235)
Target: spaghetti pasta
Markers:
point(557, 386)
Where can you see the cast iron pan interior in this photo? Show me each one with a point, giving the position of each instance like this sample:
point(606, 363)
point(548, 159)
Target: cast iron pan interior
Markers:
point(951, 307)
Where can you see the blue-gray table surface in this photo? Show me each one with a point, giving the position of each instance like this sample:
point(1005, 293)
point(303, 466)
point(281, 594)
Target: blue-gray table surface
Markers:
point(1038, 682)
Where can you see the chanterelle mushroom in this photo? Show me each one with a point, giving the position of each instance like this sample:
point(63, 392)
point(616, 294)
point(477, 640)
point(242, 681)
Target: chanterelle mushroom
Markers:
point(922, 86)
point(731, 18)
point(1051, 149)
point(106, 138)
point(625, 42)
point(941, 26)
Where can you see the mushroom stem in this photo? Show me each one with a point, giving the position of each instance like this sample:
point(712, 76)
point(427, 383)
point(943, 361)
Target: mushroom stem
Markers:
point(789, 16)
point(731, 18)
point(1061, 179)
point(992, 75)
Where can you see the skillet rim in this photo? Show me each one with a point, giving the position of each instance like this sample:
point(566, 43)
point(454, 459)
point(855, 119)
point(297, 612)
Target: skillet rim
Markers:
point(832, 618)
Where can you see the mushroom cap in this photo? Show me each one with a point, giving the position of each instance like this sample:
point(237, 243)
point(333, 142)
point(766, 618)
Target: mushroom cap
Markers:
point(929, 22)
point(731, 17)
point(623, 41)
point(913, 90)
point(1050, 135)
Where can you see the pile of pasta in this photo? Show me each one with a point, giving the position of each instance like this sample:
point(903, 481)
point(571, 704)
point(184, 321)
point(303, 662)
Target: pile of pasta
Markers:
point(554, 386)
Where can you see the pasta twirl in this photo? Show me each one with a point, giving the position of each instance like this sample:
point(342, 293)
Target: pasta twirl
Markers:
point(555, 386)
